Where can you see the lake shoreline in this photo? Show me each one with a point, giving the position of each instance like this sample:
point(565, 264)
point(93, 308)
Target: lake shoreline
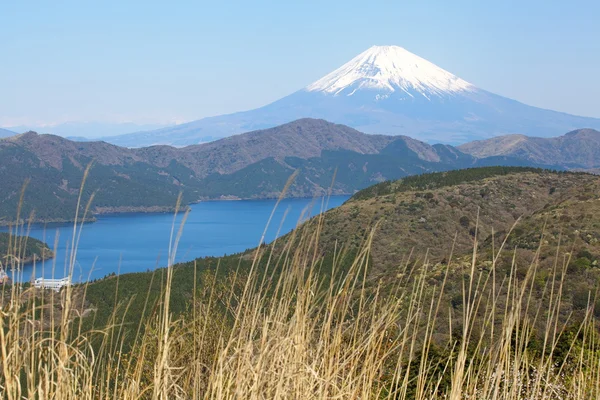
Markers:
point(124, 210)
point(134, 242)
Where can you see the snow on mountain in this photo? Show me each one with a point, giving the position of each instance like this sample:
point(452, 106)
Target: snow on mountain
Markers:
point(386, 90)
point(390, 68)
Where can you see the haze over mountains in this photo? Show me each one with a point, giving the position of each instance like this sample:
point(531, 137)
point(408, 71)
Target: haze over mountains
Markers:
point(384, 90)
point(85, 130)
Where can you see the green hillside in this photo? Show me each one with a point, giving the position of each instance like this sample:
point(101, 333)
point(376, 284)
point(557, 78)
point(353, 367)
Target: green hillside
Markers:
point(24, 248)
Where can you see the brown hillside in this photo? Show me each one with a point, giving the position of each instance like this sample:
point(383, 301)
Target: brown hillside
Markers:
point(428, 220)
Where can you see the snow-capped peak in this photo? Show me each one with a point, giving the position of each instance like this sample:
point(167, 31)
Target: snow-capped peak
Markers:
point(390, 68)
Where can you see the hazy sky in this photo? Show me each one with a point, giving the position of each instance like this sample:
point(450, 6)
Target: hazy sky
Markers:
point(168, 61)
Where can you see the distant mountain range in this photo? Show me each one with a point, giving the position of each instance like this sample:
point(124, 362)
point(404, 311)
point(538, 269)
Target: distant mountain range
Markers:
point(579, 149)
point(252, 165)
point(83, 131)
point(384, 90)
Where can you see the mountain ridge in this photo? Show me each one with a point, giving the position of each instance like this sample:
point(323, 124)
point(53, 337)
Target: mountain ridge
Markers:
point(576, 149)
point(248, 166)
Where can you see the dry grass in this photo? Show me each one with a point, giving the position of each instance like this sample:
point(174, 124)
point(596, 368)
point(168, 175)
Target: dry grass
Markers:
point(288, 331)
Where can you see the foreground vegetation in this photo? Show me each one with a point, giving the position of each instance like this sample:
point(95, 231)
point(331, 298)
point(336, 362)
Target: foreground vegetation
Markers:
point(302, 318)
point(305, 337)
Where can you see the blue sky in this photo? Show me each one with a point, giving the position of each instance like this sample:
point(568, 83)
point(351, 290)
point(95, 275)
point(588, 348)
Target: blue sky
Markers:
point(164, 62)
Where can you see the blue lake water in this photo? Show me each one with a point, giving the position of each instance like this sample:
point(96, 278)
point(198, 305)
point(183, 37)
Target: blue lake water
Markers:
point(138, 242)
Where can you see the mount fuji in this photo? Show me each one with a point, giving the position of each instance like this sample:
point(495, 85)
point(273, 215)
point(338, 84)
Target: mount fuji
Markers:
point(386, 90)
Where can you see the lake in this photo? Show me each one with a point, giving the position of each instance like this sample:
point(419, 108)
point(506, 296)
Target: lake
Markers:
point(137, 242)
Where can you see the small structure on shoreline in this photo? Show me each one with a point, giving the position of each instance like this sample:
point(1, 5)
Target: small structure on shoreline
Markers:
point(54, 284)
point(4, 278)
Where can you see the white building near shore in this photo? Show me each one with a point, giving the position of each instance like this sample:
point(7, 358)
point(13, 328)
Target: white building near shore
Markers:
point(54, 284)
